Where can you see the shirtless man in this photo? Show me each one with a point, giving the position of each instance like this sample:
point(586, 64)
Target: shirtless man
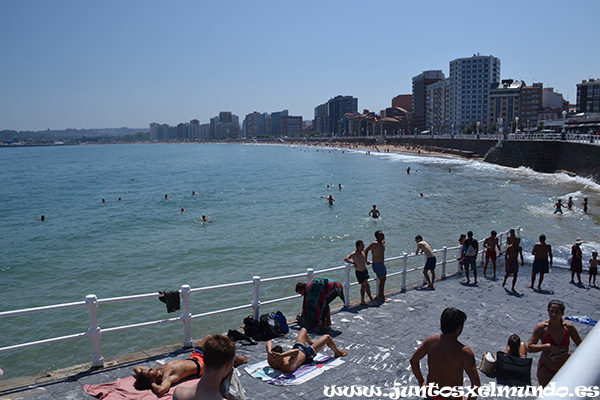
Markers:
point(541, 252)
point(511, 262)
point(303, 352)
point(425, 248)
point(330, 200)
point(554, 352)
point(558, 206)
point(489, 244)
point(469, 252)
point(160, 379)
point(378, 249)
point(358, 259)
point(219, 352)
point(374, 212)
point(447, 358)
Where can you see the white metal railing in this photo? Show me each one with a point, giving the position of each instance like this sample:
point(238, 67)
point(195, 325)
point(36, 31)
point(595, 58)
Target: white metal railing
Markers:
point(521, 135)
point(92, 302)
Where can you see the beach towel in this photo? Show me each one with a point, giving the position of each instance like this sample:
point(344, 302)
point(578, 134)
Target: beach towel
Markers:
point(582, 319)
point(123, 389)
point(306, 372)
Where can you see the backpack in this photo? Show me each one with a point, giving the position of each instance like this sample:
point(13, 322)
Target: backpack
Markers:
point(265, 328)
point(270, 325)
point(283, 325)
point(253, 328)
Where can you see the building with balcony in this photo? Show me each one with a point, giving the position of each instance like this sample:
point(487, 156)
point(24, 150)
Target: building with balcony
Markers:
point(505, 104)
point(588, 96)
point(470, 82)
point(419, 97)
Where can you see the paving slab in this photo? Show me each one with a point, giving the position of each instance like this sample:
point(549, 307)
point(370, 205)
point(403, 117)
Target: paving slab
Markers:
point(379, 340)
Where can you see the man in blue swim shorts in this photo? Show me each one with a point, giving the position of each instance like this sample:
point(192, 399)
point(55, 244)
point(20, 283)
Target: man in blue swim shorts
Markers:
point(541, 252)
point(378, 249)
point(303, 352)
point(425, 248)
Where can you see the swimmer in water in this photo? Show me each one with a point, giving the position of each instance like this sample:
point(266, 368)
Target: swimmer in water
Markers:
point(194, 193)
point(166, 197)
point(42, 218)
point(330, 200)
point(182, 210)
point(374, 212)
point(204, 219)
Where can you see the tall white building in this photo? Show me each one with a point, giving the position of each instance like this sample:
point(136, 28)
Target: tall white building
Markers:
point(470, 82)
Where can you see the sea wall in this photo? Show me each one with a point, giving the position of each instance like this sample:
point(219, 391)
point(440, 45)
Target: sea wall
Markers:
point(543, 156)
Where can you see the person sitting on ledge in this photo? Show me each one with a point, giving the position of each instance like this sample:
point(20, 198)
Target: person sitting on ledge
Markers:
point(160, 379)
point(303, 352)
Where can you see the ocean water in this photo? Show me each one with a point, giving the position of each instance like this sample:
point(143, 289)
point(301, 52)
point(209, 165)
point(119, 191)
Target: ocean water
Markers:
point(268, 217)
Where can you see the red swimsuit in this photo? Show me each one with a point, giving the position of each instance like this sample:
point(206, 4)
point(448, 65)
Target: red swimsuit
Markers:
point(564, 344)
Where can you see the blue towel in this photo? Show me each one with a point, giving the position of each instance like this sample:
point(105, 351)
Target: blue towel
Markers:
point(582, 319)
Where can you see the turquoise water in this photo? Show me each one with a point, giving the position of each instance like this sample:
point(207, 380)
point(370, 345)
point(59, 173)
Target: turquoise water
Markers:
point(268, 217)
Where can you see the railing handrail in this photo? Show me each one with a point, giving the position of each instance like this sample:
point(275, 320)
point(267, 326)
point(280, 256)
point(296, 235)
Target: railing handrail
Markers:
point(92, 301)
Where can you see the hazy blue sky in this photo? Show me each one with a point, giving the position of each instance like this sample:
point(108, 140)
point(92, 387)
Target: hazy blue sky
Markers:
point(96, 64)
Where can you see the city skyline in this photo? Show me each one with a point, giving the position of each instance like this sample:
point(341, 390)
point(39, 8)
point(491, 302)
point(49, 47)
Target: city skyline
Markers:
point(77, 65)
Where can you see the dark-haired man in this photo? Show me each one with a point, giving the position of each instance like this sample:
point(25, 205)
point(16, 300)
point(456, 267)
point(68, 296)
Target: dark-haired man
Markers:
point(219, 353)
point(447, 358)
point(303, 352)
point(377, 248)
point(160, 379)
point(541, 251)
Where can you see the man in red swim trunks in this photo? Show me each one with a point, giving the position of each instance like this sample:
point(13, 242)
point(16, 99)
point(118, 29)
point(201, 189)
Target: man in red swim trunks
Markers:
point(489, 244)
point(160, 379)
point(554, 334)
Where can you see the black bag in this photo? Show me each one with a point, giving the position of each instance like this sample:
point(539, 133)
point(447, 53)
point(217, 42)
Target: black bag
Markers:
point(513, 370)
point(271, 326)
point(253, 328)
point(265, 328)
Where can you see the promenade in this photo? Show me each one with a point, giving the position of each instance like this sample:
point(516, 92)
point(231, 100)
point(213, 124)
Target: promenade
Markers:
point(379, 340)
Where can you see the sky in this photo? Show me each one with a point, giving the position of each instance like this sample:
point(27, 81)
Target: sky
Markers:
point(115, 63)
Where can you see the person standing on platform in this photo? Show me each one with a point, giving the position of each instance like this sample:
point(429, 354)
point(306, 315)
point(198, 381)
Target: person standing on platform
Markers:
point(378, 249)
point(576, 261)
point(469, 252)
point(541, 252)
point(425, 248)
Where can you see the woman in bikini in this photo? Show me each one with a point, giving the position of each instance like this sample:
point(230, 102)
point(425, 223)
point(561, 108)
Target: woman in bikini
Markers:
point(554, 334)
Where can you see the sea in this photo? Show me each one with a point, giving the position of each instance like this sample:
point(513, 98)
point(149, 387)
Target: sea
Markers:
point(127, 219)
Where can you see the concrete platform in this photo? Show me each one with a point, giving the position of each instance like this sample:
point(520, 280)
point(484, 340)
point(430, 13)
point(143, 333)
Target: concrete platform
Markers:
point(379, 340)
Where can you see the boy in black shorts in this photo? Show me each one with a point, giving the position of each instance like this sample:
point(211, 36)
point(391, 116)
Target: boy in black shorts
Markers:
point(359, 261)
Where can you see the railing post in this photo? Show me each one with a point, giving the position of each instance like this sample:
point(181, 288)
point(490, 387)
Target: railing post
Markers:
point(445, 253)
point(501, 239)
point(404, 265)
point(310, 273)
point(347, 285)
point(91, 302)
point(518, 231)
point(256, 299)
point(187, 316)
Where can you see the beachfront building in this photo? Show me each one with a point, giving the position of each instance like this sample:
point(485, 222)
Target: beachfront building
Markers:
point(437, 100)
point(329, 117)
point(419, 97)
point(276, 127)
point(291, 125)
point(504, 105)
point(403, 101)
point(225, 126)
point(255, 125)
point(395, 121)
point(470, 82)
point(531, 105)
point(588, 96)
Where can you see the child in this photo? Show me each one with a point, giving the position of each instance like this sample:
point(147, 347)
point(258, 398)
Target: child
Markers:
point(358, 259)
point(593, 268)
